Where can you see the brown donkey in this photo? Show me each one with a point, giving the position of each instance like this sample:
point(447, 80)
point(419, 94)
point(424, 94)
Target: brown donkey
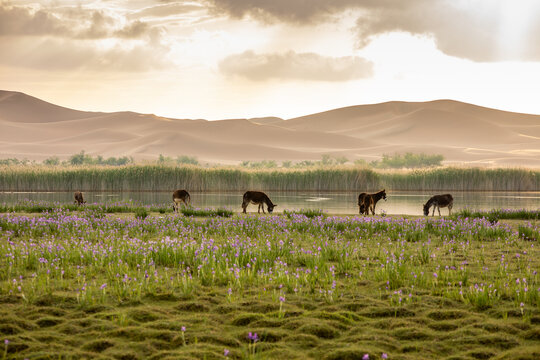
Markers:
point(367, 202)
point(361, 203)
point(439, 201)
point(79, 199)
point(179, 196)
point(257, 198)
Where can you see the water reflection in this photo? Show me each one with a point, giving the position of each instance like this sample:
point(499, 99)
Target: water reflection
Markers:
point(334, 203)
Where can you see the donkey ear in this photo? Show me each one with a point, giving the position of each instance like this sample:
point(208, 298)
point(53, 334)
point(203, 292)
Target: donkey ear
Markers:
point(275, 205)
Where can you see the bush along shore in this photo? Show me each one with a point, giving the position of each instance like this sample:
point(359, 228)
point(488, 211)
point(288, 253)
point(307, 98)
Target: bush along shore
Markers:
point(345, 178)
point(140, 211)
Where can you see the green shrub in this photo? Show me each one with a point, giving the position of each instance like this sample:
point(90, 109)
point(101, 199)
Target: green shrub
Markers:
point(528, 233)
point(141, 213)
point(207, 212)
point(408, 160)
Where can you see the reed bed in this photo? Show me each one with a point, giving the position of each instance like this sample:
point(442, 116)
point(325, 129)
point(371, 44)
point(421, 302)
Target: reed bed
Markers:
point(168, 178)
point(252, 287)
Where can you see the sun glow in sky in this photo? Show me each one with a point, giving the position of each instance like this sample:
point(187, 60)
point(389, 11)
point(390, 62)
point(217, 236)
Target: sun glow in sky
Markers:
point(218, 59)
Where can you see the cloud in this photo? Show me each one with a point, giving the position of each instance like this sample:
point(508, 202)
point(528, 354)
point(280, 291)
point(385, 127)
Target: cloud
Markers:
point(298, 66)
point(456, 31)
point(168, 9)
point(470, 30)
point(70, 23)
point(22, 21)
point(296, 11)
point(54, 54)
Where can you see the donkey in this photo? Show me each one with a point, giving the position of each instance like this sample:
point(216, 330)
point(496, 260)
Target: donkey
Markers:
point(368, 202)
point(361, 205)
point(180, 196)
point(79, 199)
point(439, 201)
point(257, 198)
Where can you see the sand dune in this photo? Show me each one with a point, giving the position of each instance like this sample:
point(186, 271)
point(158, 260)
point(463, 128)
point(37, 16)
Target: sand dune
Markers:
point(21, 108)
point(463, 133)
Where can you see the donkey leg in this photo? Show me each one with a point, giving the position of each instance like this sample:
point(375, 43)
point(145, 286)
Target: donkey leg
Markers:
point(433, 211)
point(450, 209)
point(244, 207)
point(439, 210)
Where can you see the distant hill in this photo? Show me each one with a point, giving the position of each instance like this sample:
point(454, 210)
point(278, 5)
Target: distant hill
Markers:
point(22, 108)
point(463, 133)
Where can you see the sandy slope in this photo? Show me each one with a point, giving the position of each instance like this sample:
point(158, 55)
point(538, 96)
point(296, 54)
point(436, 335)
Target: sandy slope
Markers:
point(462, 132)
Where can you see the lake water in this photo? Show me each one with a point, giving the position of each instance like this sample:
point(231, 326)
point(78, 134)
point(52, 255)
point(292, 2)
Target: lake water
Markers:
point(409, 203)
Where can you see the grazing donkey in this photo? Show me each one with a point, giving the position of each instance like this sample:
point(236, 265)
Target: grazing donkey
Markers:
point(257, 198)
point(439, 201)
point(180, 196)
point(79, 199)
point(368, 202)
point(361, 206)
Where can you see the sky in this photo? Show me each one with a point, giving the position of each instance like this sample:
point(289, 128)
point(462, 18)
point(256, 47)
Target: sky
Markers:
point(217, 59)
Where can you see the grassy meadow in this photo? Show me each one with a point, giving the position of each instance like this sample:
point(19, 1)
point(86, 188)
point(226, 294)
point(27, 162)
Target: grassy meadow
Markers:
point(194, 178)
point(87, 284)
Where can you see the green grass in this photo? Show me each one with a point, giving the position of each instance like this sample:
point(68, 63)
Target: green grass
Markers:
point(498, 214)
point(309, 213)
point(29, 206)
point(207, 212)
point(193, 178)
point(87, 284)
point(140, 211)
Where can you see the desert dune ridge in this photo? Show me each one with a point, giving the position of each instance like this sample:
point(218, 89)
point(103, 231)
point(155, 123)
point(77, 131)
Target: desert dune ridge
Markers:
point(463, 133)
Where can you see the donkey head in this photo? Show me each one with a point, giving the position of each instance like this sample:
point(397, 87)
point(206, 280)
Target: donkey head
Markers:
point(271, 208)
point(426, 209)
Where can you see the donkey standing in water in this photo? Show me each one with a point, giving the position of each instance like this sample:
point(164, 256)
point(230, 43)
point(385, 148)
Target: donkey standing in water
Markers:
point(257, 198)
point(368, 202)
point(180, 196)
point(79, 199)
point(439, 201)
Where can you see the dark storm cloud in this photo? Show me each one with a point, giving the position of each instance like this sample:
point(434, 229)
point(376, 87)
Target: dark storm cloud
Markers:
point(291, 65)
